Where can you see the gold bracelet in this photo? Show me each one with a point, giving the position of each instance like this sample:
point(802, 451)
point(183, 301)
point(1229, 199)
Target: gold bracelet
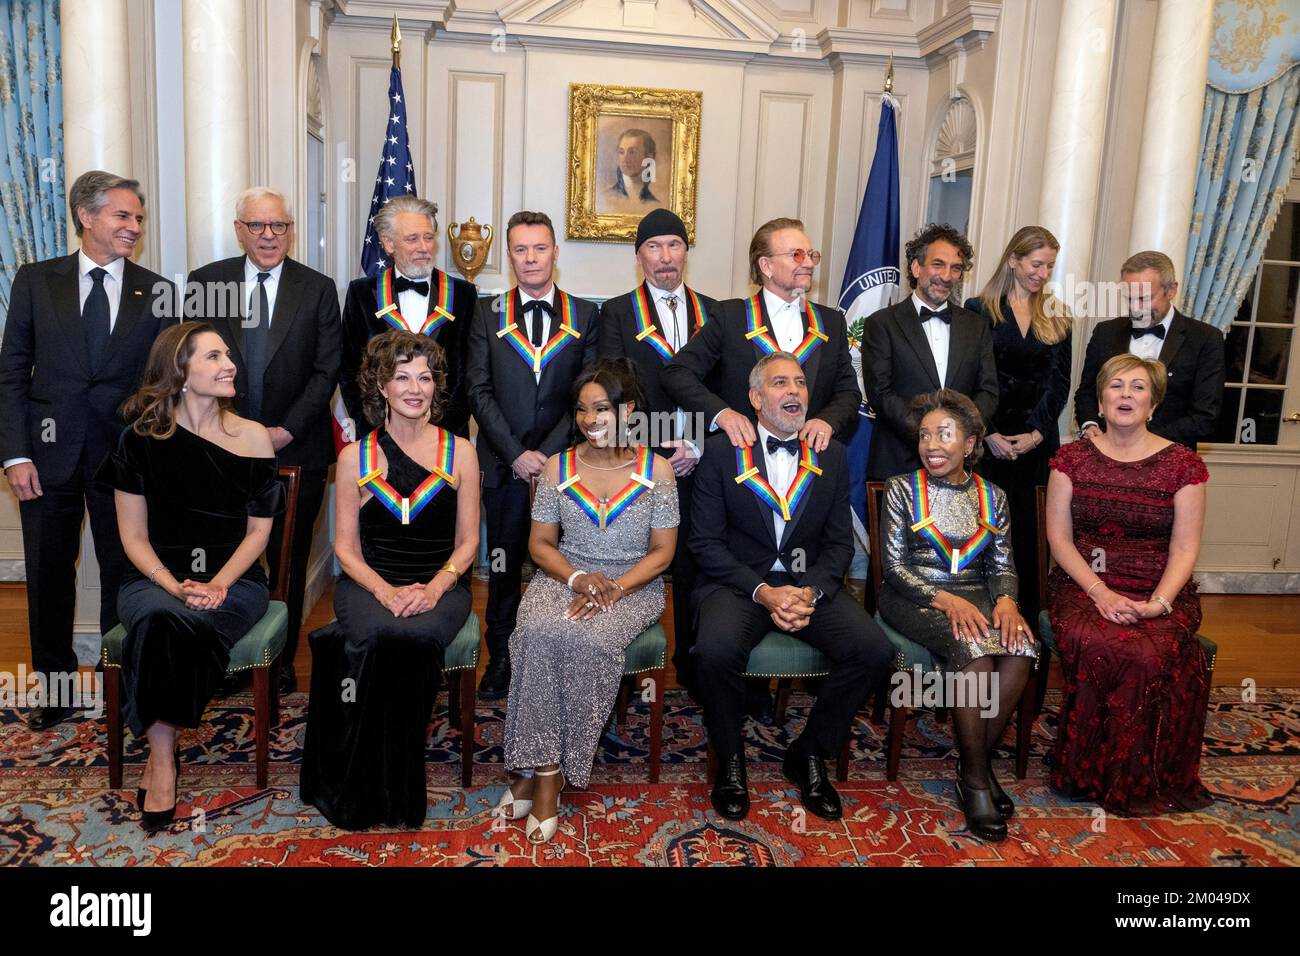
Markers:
point(452, 568)
point(1168, 609)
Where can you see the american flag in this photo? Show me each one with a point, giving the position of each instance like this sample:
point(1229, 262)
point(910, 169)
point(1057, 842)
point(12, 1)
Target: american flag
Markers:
point(396, 174)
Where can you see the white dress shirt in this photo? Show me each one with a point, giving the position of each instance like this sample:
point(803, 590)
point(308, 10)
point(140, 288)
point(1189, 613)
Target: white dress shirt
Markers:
point(413, 306)
point(536, 315)
point(674, 325)
point(1148, 346)
point(112, 284)
point(781, 469)
point(937, 333)
point(250, 286)
point(785, 320)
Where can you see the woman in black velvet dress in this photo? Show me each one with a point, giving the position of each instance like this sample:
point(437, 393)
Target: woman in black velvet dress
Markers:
point(196, 489)
point(407, 511)
point(1031, 346)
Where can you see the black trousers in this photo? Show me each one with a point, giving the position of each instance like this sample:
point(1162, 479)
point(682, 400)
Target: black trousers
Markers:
point(729, 625)
point(509, 521)
point(51, 543)
point(311, 493)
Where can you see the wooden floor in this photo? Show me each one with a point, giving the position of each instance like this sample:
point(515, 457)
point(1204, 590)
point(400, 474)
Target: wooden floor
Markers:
point(1258, 635)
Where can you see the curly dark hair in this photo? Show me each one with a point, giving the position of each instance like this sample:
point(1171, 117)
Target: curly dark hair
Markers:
point(961, 408)
point(383, 354)
point(619, 378)
point(919, 245)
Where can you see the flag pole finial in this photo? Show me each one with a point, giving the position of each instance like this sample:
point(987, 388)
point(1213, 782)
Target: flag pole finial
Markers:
point(397, 42)
point(889, 73)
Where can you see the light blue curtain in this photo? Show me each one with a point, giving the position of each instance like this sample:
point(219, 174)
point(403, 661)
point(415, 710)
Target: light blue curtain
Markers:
point(1249, 131)
point(31, 138)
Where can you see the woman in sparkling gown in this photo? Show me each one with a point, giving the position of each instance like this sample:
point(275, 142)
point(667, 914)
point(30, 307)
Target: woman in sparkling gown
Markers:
point(950, 585)
point(407, 511)
point(604, 530)
point(1124, 517)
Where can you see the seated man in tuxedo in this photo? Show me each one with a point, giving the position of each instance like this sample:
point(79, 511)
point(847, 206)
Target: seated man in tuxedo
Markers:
point(648, 326)
point(409, 293)
point(526, 348)
point(1192, 353)
point(778, 317)
point(773, 555)
point(923, 344)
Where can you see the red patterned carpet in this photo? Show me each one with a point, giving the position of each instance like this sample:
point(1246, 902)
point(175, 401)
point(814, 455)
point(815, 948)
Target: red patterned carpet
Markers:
point(55, 808)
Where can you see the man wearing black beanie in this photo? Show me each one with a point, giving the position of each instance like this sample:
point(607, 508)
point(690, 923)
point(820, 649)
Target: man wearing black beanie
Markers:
point(648, 326)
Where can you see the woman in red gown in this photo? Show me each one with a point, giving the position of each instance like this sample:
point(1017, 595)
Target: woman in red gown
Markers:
point(1124, 518)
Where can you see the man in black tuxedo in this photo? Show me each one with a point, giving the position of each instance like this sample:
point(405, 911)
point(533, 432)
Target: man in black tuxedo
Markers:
point(75, 343)
point(1191, 351)
point(781, 261)
point(649, 325)
point(760, 571)
point(285, 372)
point(526, 348)
point(923, 344)
point(418, 297)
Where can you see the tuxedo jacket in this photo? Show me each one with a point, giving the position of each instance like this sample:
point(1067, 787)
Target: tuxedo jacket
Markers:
point(302, 359)
point(897, 365)
point(618, 338)
point(737, 546)
point(515, 411)
point(360, 325)
point(1193, 357)
point(721, 350)
point(54, 408)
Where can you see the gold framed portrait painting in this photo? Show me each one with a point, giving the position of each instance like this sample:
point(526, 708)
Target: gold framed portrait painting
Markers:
point(631, 150)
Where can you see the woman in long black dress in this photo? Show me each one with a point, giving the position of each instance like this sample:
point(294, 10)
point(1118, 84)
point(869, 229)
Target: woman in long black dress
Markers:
point(196, 490)
point(1031, 346)
point(407, 516)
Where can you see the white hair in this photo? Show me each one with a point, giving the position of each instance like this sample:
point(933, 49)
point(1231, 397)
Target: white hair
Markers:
point(261, 192)
point(386, 218)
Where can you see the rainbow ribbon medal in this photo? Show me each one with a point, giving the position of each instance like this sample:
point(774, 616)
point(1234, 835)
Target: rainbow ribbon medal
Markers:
point(647, 331)
point(766, 342)
point(405, 509)
point(538, 358)
point(747, 473)
point(602, 513)
point(960, 557)
point(388, 310)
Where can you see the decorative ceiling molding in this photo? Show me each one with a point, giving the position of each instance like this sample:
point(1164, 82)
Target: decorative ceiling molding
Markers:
point(977, 17)
point(425, 11)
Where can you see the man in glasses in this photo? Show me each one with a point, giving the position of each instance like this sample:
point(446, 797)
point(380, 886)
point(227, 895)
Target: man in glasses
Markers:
point(281, 322)
point(779, 317)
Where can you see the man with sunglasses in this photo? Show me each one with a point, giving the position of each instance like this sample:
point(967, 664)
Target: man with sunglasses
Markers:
point(281, 322)
point(779, 317)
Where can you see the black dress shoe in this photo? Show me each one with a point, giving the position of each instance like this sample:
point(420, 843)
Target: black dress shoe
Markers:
point(151, 821)
point(982, 817)
point(731, 790)
point(43, 718)
point(496, 680)
point(815, 790)
point(288, 680)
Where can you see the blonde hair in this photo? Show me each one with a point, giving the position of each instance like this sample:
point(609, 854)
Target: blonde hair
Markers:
point(1050, 319)
point(1122, 363)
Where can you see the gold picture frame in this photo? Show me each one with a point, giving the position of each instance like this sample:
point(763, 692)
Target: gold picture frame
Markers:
point(616, 130)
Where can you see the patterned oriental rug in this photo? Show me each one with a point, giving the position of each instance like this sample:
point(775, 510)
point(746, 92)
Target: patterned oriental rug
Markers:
point(55, 808)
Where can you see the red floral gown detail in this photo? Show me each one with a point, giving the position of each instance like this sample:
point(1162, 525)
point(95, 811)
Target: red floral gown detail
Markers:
point(1136, 695)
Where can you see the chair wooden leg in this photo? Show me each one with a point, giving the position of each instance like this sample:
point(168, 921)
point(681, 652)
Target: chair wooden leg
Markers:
point(467, 737)
point(453, 702)
point(275, 692)
point(620, 706)
point(783, 685)
point(897, 724)
point(712, 772)
point(941, 715)
point(656, 723)
point(113, 718)
point(1025, 725)
point(262, 722)
point(842, 765)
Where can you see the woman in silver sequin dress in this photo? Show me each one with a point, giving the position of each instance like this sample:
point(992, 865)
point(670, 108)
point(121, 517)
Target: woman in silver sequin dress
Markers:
point(950, 584)
point(604, 530)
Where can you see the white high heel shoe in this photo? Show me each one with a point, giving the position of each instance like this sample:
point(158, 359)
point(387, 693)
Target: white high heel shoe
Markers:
point(541, 831)
point(511, 807)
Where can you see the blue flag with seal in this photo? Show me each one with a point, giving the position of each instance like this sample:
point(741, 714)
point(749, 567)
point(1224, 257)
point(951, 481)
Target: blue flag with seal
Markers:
point(871, 281)
point(396, 175)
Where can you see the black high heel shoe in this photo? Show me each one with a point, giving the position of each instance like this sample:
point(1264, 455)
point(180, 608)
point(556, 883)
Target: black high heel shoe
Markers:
point(154, 820)
point(1001, 799)
point(982, 817)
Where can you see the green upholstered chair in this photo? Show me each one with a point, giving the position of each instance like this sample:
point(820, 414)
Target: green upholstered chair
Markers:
point(1045, 635)
point(908, 654)
point(459, 664)
point(257, 651)
point(647, 655)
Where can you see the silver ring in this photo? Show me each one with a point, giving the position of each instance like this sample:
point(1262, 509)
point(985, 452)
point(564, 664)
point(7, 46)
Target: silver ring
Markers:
point(1020, 627)
point(590, 605)
point(591, 589)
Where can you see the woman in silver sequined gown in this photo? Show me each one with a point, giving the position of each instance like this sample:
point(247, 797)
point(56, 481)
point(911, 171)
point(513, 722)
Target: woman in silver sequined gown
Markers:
point(959, 611)
point(590, 598)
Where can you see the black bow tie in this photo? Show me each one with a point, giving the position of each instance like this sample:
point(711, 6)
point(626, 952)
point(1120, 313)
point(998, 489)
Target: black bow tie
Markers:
point(1157, 330)
point(402, 284)
point(790, 444)
point(943, 315)
point(539, 305)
